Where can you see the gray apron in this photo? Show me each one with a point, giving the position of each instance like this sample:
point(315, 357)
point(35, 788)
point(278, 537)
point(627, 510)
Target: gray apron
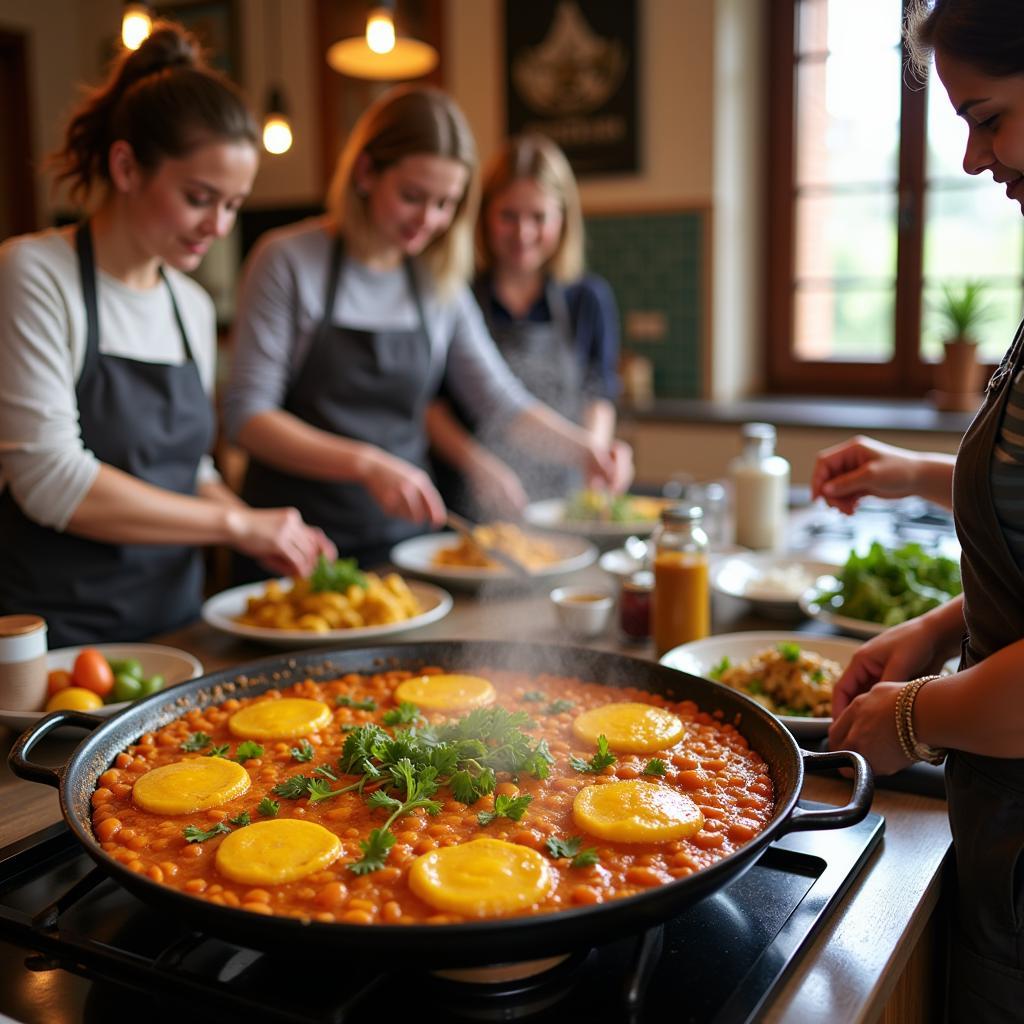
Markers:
point(542, 354)
point(370, 386)
point(986, 794)
point(151, 420)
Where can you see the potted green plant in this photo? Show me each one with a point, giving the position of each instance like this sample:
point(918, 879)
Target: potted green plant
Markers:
point(962, 310)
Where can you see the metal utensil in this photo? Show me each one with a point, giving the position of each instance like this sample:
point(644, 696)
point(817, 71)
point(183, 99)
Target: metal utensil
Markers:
point(467, 529)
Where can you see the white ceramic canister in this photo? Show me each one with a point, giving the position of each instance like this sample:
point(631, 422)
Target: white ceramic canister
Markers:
point(22, 662)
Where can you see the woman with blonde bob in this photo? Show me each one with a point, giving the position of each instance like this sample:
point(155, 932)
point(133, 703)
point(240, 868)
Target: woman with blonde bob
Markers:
point(348, 325)
point(556, 328)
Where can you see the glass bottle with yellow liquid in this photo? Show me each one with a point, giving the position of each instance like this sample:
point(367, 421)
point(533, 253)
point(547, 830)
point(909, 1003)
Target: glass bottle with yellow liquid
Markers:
point(682, 594)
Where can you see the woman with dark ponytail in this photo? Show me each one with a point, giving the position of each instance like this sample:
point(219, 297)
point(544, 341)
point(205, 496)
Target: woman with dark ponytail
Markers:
point(107, 349)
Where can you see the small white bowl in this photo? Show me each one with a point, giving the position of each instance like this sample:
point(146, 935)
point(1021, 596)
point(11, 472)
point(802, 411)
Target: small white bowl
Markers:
point(583, 611)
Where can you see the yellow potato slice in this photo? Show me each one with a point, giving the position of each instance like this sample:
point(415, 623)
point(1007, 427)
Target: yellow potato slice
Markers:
point(630, 727)
point(280, 719)
point(282, 850)
point(636, 812)
point(191, 785)
point(446, 692)
point(482, 878)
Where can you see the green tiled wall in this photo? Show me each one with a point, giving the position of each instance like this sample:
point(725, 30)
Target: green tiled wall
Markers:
point(655, 263)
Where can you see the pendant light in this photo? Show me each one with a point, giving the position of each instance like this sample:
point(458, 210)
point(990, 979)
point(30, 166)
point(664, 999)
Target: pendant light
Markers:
point(136, 24)
point(277, 128)
point(382, 54)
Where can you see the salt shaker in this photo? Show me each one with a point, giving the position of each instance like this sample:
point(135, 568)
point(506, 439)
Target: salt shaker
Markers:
point(22, 662)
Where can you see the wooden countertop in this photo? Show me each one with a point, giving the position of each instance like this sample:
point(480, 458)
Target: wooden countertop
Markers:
point(855, 961)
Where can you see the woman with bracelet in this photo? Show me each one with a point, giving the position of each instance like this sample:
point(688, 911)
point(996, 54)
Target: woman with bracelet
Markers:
point(975, 716)
point(107, 351)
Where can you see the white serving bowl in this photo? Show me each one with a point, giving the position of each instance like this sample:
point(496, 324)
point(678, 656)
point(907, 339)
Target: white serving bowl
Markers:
point(583, 611)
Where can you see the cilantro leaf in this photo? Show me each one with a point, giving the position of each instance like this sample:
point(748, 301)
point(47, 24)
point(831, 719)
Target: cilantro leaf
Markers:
point(601, 760)
point(535, 696)
point(241, 820)
point(338, 575)
point(194, 834)
point(325, 772)
point(196, 741)
point(405, 714)
point(292, 788)
point(247, 751)
point(375, 852)
point(556, 707)
point(218, 750)
point(656, 766)
point(789, 650)
point(268, 808)
point(505, 806)
point(570, 848)
point(716, 671)
point(345, 701)
point(305, 751)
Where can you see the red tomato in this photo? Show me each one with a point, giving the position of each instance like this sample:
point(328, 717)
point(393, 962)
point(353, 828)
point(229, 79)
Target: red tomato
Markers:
point(57, 680)
point(93, 672)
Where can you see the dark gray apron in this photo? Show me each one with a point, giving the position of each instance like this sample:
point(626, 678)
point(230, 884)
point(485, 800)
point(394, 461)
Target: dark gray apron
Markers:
point(986, 794)
point(370, 386)
point(542, 354)
point(151, 420)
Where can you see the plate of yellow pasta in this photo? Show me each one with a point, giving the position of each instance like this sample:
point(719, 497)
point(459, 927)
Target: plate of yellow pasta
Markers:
point(337, 604)
point(455, 561)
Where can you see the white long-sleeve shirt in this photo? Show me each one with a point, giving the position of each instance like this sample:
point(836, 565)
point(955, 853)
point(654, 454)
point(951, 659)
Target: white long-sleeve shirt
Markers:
point(43, 459)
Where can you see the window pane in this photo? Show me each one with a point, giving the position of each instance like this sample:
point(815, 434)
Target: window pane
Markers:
point(846, 236)
point(947, 134)
point(995, 334)
point(854, 25)
point(973, 231)
point(852, 324)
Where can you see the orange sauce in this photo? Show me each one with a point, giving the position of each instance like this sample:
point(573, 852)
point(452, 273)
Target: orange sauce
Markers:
point(682, 599)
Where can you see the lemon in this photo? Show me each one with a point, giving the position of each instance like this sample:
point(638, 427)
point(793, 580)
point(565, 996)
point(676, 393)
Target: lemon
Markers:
point(74, 698)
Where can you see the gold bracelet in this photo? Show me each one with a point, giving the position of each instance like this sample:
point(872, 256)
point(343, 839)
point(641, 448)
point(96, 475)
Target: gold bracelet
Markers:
point(901, 728)
point(911, 745)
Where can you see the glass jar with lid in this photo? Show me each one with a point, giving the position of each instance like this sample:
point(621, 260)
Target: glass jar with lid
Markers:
point(760, 480)
point(681, 609)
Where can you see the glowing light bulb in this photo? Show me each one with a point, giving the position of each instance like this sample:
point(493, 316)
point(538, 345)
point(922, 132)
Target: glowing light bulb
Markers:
point(277, 134)
point(380, 31)
point(136, 25)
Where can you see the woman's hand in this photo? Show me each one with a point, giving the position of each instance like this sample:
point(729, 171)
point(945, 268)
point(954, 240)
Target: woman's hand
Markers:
point(400, 488)
point(868, 726)
point(279, 539)
point(852, 470)
point(608, 468)
point(495, 485)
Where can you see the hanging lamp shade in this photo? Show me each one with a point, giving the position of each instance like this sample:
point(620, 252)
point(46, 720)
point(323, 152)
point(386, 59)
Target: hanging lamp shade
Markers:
point(380, 54)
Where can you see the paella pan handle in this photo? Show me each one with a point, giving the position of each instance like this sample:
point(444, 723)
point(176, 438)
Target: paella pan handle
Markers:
point(18, 759)
point(837, 817)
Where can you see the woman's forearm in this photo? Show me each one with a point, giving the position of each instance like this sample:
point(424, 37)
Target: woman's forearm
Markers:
point(449, 438)
point(599, 421)
point(290, 444)
point(541, 430)
point(934, 478)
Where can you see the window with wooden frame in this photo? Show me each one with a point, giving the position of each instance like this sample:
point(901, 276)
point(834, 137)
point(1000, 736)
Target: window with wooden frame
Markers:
point(870, 210)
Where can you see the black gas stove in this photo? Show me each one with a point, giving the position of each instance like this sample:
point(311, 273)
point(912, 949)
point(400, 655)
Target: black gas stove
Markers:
point(76, 947)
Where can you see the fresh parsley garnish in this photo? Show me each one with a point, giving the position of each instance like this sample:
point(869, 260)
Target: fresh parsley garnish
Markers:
point(196, 741)
point(305, 751)
point(293, 788)
point(789, 650)
point(598, 762)
point(535, 696)
point(556, 707)
point(571, 848)
point(247, 751)
point(655, 767)
point(325, 771)
point(467, 788)
point(194, 834)
point(218, 750)
point(405, 714)
point(338, 575)
point(505, 806)
point(717, 671)
point(345, 701)
point(268, 808)
point(240, 820)
point(375, 851)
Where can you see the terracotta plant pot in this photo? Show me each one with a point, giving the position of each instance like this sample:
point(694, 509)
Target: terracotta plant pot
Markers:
point(958, 377)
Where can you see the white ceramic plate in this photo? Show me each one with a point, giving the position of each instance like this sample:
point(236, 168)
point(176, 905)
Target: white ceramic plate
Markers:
point(771, 582)
point(174, 665)
point(416, 555)
point(700, 656)
point(812, 605)
point(550, 515)
point(221, 610)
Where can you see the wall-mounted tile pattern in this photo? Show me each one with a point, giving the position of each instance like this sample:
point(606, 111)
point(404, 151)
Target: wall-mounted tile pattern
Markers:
point(655, 264)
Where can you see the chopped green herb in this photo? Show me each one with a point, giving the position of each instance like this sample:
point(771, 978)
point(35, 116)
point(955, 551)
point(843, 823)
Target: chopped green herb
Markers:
point(405, 714)
point(338, 575)
point(345, 701)
point(325, 771)
point(571, 848)
point(292, 788)
point(817, 676)
point(535, 695)
point(247, 751)
point(218, 750)
point(718, 670)
point(375, 852)
point(305, 751)
point(655, 767)
point(268, 808)
point(789, 650)
point(556, 707)
point(241, 820)
point(196, 741)
point(601, 760)
point(505, 806)
point(194, 834)
point(756, 687)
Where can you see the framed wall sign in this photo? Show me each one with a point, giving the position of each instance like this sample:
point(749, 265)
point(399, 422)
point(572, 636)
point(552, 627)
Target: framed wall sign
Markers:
point(570, 71)
point(215, 25)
